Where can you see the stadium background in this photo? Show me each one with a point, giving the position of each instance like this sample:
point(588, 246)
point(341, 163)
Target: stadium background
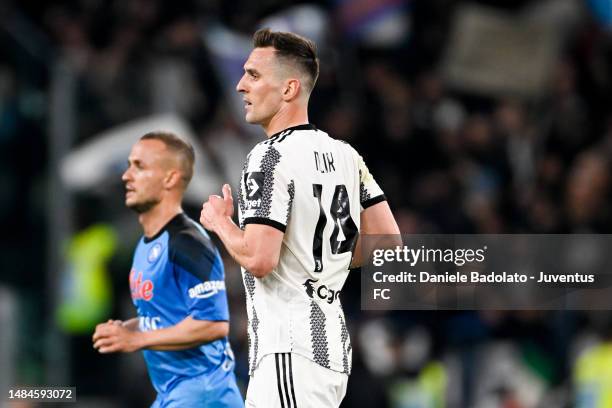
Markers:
point(475, 117)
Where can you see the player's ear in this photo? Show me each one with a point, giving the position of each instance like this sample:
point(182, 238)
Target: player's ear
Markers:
point(292, 89)
point(172, 179)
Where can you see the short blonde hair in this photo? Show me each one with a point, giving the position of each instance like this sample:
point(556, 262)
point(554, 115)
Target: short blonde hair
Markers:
point(181, 148)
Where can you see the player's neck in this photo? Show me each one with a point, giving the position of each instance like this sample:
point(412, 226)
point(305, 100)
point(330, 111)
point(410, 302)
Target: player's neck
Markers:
point(157, 217)
point(286, 118)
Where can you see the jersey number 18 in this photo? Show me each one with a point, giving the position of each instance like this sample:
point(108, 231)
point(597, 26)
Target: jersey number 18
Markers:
point(340, 212)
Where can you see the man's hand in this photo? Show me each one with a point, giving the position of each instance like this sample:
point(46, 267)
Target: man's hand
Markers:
point(228, 200)
point(216, 208)
point(113, 337)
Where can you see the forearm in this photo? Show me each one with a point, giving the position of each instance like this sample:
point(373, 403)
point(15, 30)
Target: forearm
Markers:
point(362, 254)
point(235, 242)
point(257, 248)
point(357, 260)
point(187, 334)
point(378, 222)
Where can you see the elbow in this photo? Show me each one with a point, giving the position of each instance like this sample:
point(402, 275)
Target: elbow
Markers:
point(217, 330)
point(391, 241)
point(261, 266)
point(205, 331)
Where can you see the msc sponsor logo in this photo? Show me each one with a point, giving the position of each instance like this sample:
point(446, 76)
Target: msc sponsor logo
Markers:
point(148, 323)
point(320, 291)
point(206, 289)
point(140, 289)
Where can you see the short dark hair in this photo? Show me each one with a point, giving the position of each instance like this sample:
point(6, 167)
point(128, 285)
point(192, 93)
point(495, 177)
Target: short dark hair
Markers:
point(297, 49)
point(183, 150)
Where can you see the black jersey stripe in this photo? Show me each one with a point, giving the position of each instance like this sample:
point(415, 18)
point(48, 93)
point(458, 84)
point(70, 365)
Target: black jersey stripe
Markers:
point(283, 136)
point(269, 161)
point(375, 200)
point(285, 387)
point(265, 221)
point(305, 126)
point(291, 381)
point(318, 335)
point(278, 382)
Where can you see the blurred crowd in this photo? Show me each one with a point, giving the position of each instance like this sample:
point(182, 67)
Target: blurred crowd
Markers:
point(449, 160)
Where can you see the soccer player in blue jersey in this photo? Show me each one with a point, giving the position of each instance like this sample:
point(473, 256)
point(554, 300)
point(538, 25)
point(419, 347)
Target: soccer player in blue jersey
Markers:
point(177, 285)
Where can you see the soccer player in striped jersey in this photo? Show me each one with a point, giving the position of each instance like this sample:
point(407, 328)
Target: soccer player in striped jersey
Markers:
point(304, 199)
point(177, 286)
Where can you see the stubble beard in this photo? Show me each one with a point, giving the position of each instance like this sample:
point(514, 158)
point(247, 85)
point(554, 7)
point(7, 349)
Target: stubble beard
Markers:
point(256, 118)
point(142, 207)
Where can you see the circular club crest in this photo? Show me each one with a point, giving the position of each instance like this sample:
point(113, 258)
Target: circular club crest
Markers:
point(154, 252)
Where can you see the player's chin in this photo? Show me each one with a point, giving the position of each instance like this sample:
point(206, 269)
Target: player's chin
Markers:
point(141, 206)
point(134, 205)
point(130, 201)
point(250, 118)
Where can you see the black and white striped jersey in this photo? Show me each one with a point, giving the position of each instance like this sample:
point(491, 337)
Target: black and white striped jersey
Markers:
point(313, 188)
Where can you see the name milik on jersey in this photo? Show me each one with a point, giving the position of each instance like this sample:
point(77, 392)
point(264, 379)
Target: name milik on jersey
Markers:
point(324, 162)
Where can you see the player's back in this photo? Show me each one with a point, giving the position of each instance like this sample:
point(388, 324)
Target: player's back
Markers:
point(323, 224)
point(312, 187)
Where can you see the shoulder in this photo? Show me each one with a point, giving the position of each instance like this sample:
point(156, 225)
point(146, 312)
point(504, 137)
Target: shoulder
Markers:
point(190, 247)
point(262, 148)
point(347, 149)
point(287, 137)
point(264, 157)
point(345, 145)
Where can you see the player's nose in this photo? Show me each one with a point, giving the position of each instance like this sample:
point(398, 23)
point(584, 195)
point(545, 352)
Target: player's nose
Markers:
point(240, 88)
point(125, 177)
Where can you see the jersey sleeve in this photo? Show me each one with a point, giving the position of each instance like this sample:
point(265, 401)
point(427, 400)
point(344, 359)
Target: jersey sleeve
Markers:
point(267, 189)
point(370, 192)
point(200, 277)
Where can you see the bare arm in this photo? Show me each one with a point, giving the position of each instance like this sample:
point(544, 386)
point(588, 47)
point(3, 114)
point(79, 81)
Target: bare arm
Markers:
point(131, 324)
point(257, 248)
point(189, 333)
point(376, 220)
point(186, 334)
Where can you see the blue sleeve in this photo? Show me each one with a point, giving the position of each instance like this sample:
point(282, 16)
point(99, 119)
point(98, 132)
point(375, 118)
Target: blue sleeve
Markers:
point(200, 277)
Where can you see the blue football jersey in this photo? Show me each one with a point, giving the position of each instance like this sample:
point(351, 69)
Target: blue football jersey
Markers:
point(176, 274)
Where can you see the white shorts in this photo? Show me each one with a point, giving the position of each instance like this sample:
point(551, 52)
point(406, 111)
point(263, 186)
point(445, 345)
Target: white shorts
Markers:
point(286, 380)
